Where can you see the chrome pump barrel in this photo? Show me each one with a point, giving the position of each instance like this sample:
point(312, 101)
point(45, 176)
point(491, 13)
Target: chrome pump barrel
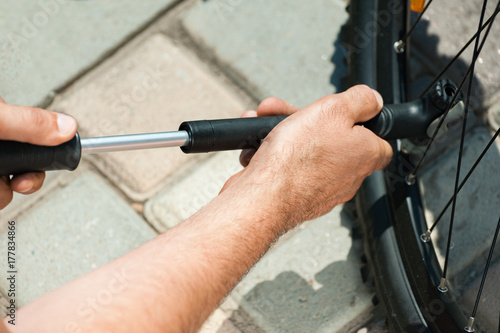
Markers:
point(134, 141)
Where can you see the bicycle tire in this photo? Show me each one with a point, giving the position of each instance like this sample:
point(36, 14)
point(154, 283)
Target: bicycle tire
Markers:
point(405, 271)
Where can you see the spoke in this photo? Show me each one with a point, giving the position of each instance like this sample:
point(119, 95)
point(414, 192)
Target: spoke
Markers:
point(470, 327)
point(426, 236)
point(487, 23)
point(399, 46)
point(442, 285)
point(411, 177)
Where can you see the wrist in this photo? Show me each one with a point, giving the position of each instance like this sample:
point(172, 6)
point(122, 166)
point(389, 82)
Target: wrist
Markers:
point(259, 197)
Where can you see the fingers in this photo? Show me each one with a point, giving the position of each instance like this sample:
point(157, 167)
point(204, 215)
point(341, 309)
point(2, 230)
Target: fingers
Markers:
point(249, 114)
point(385, 153)
point(246, 156)
point(5, 192)
point(379, 149)
point(360, 103)
point(273, 106)
point(34, 125)
point(27, 183)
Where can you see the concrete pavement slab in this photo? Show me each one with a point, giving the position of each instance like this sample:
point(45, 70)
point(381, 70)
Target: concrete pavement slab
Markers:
point(72, 232)
point(46, 43)
point(476, 210)
point(149, 87)
point(179, 202)
point(287, 49)
point(310, 283)
point(218, 323)
point(21, 201)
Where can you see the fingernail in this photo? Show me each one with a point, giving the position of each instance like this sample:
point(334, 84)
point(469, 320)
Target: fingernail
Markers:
point(66, 124)
point(27, 185)
point(379, 98)
point(26, 190)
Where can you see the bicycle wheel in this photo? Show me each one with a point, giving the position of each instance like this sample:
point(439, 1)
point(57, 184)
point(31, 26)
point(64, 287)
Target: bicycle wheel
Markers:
point(405, 271)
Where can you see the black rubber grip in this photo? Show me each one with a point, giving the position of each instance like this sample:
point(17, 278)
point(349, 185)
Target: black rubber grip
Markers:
point(403, 121)
point(227, 134)
point(396, 121)
point(18, 157)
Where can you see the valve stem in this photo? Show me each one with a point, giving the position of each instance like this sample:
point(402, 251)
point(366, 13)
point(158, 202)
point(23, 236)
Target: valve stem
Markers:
point(399, 46)
point(442, 285)
point(470, 325)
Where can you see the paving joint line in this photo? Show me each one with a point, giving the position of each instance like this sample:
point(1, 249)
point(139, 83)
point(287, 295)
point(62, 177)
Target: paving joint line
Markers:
point(175, 30)
point(49, 98)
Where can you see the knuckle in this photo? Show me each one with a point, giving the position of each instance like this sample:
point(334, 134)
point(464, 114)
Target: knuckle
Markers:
point(40, 121)
point(269, 101)
point(333, 106)
point(362, 91)
point(363, 95)
point(39, 118)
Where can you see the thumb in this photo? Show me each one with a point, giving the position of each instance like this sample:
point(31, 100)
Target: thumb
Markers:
point(34, 125)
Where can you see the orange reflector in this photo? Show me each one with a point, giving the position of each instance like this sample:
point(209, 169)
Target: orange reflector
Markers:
point(417, 5)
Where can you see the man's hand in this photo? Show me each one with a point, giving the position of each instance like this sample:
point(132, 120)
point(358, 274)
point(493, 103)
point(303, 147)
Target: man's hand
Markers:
point(317, 157)
point(36, 126)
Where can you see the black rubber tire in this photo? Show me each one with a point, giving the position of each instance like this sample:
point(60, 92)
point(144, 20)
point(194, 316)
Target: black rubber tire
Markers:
point(405, 271)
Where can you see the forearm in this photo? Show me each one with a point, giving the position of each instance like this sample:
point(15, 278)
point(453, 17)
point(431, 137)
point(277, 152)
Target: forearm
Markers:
point(170, 284)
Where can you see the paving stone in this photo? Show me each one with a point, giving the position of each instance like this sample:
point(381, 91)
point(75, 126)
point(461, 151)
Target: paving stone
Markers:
point(494, 116)
point(45, 43)
point(311, 283)
point(476, 210)
point(78, 228)
point(53, 180)
point(21, 201)
point(149, 87)
point(219, 323)
point(179, 202)
point(489, 305)
point(443, 33)
point(287, 49)
point(373, 328)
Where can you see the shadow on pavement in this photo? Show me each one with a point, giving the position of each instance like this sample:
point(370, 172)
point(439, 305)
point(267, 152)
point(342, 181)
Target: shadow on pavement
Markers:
point(289, 303)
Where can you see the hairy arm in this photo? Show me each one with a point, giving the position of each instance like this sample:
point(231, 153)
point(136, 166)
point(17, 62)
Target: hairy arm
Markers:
point(170, 284)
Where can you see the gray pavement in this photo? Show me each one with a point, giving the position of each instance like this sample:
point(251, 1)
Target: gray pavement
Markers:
point(259, 42)
point(147, 66)
point(59, 39)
